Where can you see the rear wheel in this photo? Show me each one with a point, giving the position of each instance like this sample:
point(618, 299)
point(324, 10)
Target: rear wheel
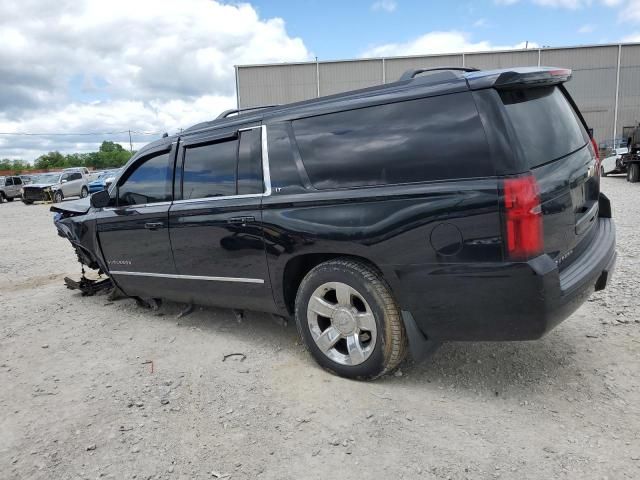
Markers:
point(602, 172)
point(633, 173)
point(1, 197)
point(57, 197)
point(349, 320)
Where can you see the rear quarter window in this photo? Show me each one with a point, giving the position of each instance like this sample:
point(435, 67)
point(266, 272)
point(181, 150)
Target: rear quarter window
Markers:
point(545, 123)
point(435, 138)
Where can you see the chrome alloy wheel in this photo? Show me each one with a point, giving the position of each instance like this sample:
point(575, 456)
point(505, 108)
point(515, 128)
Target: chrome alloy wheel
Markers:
point(341, 323)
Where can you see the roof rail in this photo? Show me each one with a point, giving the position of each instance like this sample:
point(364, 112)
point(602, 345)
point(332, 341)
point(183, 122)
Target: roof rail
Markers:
point(409, 74)
point(233, 111)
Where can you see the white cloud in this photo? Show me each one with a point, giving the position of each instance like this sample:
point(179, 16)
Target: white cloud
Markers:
point(384, 5)
point(587, 28)
point(570, 4)
point(82, 65)
point(439, 42)
point(634, 37)
point(630, 12)
point(481, 22)
point(505, 2)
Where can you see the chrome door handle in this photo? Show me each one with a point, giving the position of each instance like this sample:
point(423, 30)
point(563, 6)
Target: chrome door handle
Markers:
point(242, 220)
point(153, 225)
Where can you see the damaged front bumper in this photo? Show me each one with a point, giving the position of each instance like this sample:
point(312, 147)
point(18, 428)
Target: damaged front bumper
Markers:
point(76, 222)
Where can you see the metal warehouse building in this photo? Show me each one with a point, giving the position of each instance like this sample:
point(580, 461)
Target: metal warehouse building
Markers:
point(605, 84)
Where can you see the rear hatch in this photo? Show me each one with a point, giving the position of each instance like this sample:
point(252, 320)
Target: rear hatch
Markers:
point(558, 151)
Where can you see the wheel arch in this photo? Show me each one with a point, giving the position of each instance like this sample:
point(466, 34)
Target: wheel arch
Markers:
point(297, 268)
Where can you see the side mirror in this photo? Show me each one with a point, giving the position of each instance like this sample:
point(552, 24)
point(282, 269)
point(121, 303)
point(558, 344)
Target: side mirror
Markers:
point(64, 180)
point(100, 199)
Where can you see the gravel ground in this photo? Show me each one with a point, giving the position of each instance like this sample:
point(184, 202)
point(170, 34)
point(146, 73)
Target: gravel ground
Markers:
point(80, 397)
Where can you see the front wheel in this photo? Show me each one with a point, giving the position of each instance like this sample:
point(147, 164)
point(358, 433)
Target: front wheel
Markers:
point(84, 192)
point(57, 197)
point(633, 173)
point(349, 320)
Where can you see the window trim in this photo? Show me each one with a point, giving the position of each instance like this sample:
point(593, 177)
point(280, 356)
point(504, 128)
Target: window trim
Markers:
point(266, 174)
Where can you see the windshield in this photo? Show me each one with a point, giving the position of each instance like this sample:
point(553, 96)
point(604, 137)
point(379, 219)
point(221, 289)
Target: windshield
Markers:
point(47, 178)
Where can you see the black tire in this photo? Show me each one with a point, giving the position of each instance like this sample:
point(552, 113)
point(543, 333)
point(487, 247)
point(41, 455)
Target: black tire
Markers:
point(84, 192)
point(9, 199)
point(390, 346)
point(633, 173)
point(602, 172)
point(27, 202)
point(58, 197)
point(1, 197)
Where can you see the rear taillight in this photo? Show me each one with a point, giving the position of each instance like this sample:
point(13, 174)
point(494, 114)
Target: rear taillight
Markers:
point(596, 152)
point(523, 217)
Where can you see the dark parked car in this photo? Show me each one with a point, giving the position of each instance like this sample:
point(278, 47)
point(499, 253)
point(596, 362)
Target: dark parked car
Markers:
point(346, 213)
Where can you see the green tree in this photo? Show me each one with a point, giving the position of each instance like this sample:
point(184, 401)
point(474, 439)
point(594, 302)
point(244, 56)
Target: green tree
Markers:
point(50, 160)
point(16, 166)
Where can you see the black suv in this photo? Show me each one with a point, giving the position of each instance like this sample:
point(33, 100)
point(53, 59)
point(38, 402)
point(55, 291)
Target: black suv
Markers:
point(450, 205)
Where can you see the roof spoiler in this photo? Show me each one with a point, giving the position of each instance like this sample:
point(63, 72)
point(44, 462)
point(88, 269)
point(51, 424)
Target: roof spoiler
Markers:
point(521, 77)
point(412, 73)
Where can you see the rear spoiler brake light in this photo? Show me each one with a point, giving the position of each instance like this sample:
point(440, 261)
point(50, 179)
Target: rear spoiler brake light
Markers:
point(518, 77)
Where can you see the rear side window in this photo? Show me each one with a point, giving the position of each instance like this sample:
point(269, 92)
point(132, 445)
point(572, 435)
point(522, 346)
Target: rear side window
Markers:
point(210, 170)
point(546, 125)
point(420, 140)
point(17, 181)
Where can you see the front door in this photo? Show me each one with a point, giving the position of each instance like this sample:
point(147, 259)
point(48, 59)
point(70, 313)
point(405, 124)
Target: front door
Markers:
point(215, 226)
point(134, 234)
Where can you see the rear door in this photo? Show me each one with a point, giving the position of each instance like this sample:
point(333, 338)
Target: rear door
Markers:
point(10, 188)
point(17, 182)
point(73, 186)
point(215, 226)
point(134, 234)
point(556, 147)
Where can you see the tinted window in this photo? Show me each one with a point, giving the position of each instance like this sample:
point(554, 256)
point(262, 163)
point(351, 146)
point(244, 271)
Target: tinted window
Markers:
point(9, 181)
point(150, 182)
point(545, 123)
point(75, 176)
point(250, 162)
point(210, 170)
point(17, 181)
point(413, 141)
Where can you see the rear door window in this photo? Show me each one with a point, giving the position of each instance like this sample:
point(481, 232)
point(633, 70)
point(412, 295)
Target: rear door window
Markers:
point(250, 162)
point(427, 139)
point(210, 170)
point(546, 125)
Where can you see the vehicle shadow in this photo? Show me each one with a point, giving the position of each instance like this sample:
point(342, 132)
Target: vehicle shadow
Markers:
point(490, 368)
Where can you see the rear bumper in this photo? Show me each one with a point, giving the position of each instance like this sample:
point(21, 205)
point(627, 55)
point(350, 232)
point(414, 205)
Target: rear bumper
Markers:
point(506, 301)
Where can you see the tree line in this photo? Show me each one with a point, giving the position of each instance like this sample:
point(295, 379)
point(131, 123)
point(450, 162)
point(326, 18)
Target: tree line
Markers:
point(110, 155)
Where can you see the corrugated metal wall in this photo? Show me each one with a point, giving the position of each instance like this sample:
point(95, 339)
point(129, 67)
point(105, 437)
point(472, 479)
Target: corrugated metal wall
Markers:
point(595, 77)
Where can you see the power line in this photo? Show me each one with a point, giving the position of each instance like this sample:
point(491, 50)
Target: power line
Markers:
point(53, 134)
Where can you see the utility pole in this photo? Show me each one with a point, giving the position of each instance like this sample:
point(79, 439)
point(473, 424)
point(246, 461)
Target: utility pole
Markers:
point(130, 143)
